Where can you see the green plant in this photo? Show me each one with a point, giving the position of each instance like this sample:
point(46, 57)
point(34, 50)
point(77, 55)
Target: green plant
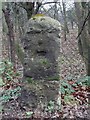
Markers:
point(1, 82)
point(69, 99)
point(8, 77)
point(50, 106)
point(7, 72)
point(10, 94)
point(29, 113)
point(84, 81)
point(66, 88)
point(69, 89)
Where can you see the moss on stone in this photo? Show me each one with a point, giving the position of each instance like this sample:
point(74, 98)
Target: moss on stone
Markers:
point(37, 15)
point(29, 80)
point(57, 78)
point(19, 52)
point(44, 62)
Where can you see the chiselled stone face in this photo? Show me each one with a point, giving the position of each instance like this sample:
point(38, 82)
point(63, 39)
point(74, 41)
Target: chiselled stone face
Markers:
point(41, 56)
point(42, 49)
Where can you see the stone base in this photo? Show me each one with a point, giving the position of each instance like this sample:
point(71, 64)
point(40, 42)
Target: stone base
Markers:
point(43, 94)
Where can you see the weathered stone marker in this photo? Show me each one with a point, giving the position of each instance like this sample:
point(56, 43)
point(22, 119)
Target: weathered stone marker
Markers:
point(42, 51)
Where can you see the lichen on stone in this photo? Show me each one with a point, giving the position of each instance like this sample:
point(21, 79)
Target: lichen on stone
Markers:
point(42, 23)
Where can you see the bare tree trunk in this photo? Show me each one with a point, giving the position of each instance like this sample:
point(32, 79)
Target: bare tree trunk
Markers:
point(38, 4)
point(29, 7)
point(83, 41)
point(10, 33)
point(72, 24)
point(55, 10)
point(66, 30)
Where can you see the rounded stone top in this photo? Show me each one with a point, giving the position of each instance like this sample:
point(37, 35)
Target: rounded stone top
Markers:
point(40, 23)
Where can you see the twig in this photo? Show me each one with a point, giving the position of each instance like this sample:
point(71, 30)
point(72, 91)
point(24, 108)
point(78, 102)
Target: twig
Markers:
point(83, 25)
point(49, 3)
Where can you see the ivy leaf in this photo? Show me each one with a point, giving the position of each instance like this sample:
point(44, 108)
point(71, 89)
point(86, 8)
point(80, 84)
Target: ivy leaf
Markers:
point(62, 90)
point(29, 113)
point(69, 99)
point(1, 82)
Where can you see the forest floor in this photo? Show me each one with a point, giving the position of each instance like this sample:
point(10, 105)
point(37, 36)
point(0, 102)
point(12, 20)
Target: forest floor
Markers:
point(74, 91)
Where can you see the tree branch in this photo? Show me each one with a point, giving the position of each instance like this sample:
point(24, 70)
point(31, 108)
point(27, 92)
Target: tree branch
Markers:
point(49, 3)
point(83, 25)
